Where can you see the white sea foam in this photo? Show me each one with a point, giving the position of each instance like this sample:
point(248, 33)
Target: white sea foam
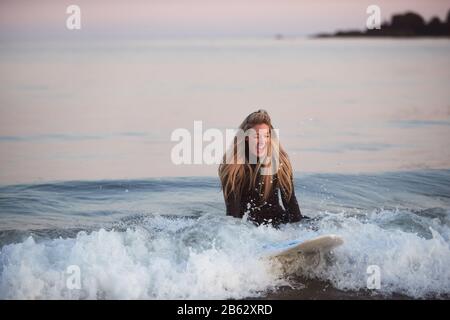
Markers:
point(409, 264)
point(218, 257)
point(172, 262)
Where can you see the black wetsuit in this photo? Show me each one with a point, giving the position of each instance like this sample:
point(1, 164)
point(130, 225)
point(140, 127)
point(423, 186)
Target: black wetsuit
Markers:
point(275, 210)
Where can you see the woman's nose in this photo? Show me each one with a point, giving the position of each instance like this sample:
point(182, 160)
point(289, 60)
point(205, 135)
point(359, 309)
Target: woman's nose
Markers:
point(262, 140)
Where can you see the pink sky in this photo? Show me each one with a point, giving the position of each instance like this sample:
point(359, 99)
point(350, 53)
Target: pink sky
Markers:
point(205, 17)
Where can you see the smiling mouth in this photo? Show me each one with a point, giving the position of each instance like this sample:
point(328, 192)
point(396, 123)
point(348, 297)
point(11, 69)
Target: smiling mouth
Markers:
point(261, 148)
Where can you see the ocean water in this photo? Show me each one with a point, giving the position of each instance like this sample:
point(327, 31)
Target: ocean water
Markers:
point(169, 238)
point(90, 109)
point(86, 177)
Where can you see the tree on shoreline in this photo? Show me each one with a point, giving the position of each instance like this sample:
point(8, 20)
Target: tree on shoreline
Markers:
point(409, 24)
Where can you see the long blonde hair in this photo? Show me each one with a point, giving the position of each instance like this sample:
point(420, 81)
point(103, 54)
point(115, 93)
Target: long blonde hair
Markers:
point(233, 175)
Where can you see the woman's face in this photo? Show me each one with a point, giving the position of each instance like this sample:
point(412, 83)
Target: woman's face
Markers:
point(259, 139)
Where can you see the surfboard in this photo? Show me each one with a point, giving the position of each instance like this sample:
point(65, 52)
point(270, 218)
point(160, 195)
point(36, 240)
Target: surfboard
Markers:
point(298, 255)
point(324, 243)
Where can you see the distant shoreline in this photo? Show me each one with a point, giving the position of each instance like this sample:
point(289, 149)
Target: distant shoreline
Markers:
point(364, 36)
point(409, 25)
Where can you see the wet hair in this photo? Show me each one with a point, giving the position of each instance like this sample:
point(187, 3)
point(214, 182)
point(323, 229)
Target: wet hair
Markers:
point(240, 174)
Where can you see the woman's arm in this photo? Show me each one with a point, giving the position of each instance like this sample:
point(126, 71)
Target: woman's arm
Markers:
point(293, 208)
point(233, 205)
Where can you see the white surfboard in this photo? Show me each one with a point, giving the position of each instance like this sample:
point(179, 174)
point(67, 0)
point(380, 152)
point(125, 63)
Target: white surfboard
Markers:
point(322, 244)
point(299, 255)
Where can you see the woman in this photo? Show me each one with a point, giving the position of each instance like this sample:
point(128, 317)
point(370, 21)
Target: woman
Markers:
point(261, 189)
